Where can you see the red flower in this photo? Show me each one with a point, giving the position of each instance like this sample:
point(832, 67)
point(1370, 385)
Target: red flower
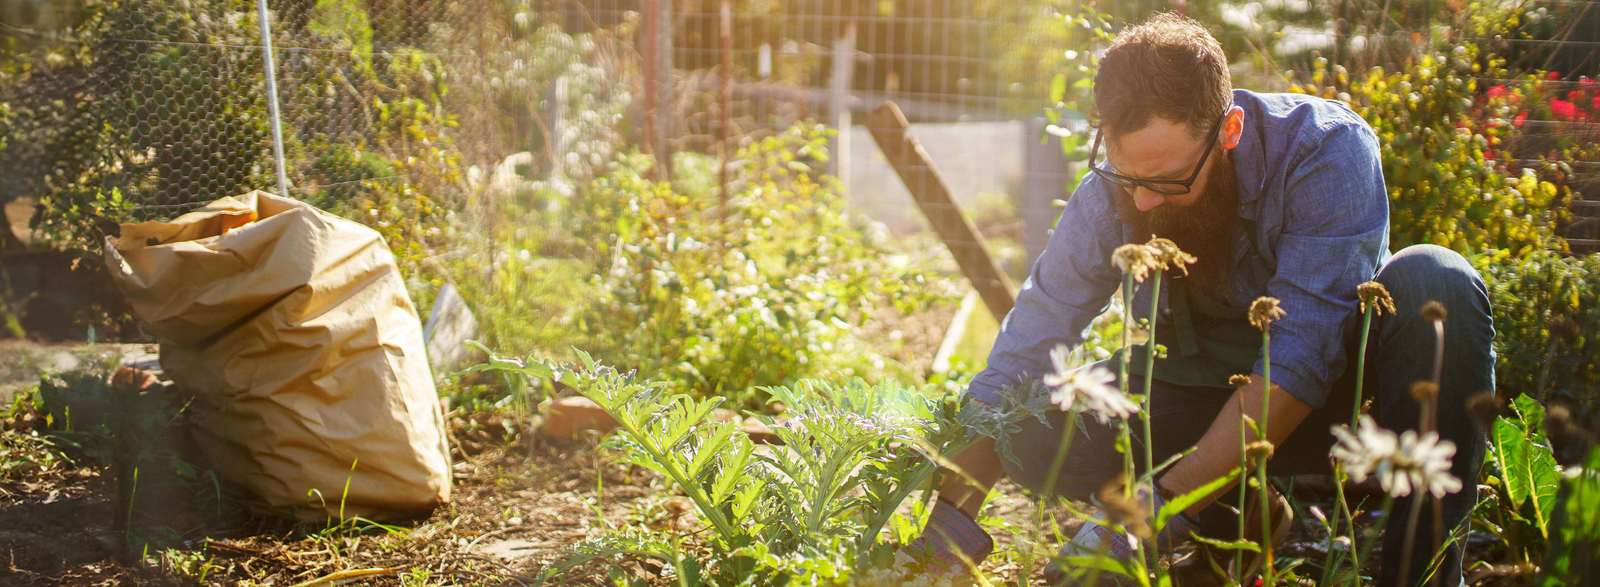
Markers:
point(1497, 91)
point(1597, 104)
point(1521, 117)
point(1553, 76)
point(1563, 109)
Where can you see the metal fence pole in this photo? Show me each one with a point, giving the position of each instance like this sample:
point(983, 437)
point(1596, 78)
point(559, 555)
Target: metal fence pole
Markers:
point(272, 98)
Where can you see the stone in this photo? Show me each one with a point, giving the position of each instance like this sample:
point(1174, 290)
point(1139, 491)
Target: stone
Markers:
point(570, 417)
point(450, 325)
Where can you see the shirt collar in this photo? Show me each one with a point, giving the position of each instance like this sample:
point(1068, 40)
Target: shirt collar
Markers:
point(1249, 160)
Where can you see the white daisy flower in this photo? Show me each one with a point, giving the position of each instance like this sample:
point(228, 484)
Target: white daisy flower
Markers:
point(1087, 389)
point(1401, 462)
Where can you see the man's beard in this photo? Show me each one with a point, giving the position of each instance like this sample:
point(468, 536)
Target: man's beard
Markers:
point(1203, 229)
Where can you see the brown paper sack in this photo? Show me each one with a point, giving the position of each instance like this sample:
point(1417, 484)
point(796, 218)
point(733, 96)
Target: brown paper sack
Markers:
point(292, 328)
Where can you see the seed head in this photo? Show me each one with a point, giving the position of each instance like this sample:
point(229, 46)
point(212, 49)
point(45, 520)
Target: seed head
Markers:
point(1484, 408)
point(1264, 312)
point(1375, 295)
point(1558, 424)
point(1424, 391)
point(1135, 260)
point(1239, 380)
point(1169, 256)
point(1434, 312)
point(1564, 329)
point(1130, 514)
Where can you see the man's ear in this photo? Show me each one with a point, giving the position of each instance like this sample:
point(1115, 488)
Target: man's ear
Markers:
point(1232, 127)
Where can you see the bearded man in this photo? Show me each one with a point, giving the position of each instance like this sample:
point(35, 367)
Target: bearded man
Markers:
point(1278, 195)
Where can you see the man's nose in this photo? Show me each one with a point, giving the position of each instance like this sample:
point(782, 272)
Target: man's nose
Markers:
point(1147, 200)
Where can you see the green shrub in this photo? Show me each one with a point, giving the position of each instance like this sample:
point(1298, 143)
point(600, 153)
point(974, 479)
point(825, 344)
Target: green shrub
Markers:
point(1443, 190)
point(1528, 295)
point(810, 515)
point(662, 278)
point(1575, 543)
point(765, 291)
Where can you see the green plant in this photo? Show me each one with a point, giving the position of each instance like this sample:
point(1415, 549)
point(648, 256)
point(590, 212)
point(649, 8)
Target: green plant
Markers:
point(767, 290)
point(1523, 480)
point(817, 510)
point(1575, 539)
point(1532, 297)
point(1443, 190)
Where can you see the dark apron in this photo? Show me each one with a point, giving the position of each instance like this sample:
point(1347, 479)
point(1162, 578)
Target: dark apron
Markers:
point(1207, 342)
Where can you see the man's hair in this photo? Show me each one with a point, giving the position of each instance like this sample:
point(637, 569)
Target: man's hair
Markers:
point(1169, 67)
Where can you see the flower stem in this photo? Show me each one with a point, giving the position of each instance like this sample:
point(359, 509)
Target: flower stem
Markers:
point(1261, 468)
point(1055, 466)
point(1361, 364)
point(1411, 538)
point(1127, 356)
point(1149, 376)
point(1341, 512)
point(1366, 549)
point(1244, 461)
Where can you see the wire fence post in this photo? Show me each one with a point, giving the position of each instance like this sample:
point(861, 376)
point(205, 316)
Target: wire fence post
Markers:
point(664, 99)
point(272, 98)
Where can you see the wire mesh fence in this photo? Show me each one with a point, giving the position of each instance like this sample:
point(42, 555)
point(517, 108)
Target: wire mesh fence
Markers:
point(166, 102)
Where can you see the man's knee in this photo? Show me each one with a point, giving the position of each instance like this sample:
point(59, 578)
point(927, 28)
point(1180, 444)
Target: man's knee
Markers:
point(1419, 274)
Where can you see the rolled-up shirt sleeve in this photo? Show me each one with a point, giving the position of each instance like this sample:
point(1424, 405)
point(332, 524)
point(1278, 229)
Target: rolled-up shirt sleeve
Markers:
point(1335, 230)
point(1070, 284)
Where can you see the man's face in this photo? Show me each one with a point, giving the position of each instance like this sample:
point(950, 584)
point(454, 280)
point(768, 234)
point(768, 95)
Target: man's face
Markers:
point(1162, 150)
point(1201, 222)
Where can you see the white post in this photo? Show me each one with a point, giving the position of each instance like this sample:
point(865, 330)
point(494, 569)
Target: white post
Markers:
point(272, 98)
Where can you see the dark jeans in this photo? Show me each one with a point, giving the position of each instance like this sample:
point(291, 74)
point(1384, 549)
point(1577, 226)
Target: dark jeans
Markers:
point(1400, 351)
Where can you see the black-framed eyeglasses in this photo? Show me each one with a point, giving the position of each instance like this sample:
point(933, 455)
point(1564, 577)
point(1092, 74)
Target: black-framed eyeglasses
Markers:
point(1160, 186)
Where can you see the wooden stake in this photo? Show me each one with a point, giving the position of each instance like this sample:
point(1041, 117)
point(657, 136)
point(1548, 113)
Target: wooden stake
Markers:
point(889, 129)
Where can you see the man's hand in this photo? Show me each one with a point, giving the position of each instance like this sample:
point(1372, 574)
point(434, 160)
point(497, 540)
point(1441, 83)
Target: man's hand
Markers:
point(1218, 451)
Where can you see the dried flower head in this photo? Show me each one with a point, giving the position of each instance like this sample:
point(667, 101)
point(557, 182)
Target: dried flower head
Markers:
point(1264, 312)
point(1239, 380)
point(1169, 256)
point(1122, 511)
point(1376, 296)
point(1558, 424)
point(1401, 463)
point(1087, 389)
point(1424, 391)
point(1135, 260)
point(1484, 408)
point(1564, 329)
point(1434, 312)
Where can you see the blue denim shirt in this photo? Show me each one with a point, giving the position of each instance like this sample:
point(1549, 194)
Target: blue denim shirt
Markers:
point(1313, 224)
